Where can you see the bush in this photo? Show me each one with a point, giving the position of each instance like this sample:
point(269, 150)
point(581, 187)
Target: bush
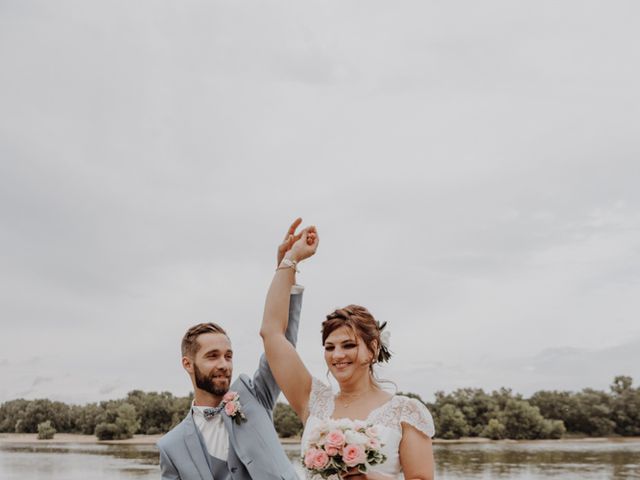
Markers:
point(559, 405)
point(122, 422)
point(286, 421)
point(106, 431)
point(494, 430)
point(155, 410)
point(625, 406)
point(554, 429)
point(524, 422)
point(86, 417)
point(46, 431)
point(40, 410)
point(127, 420)
point(451, 423)
point(476, 406)
point(595, 413)
point(10, 414)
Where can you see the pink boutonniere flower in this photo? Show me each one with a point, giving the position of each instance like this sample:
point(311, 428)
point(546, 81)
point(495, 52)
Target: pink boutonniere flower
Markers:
point(232, 407)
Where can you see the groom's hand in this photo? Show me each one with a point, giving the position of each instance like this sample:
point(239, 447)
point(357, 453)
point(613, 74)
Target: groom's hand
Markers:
point(289, 239)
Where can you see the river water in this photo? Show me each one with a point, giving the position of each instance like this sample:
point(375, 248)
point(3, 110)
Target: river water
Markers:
point(616, 460)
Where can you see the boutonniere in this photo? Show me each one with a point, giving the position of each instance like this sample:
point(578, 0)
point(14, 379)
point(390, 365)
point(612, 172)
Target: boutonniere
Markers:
point(232, 407)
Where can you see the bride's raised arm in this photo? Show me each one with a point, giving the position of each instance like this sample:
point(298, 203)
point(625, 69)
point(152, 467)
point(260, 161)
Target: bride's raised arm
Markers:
point(286, 365)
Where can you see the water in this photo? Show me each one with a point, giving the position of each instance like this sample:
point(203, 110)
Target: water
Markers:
point(50, 461)
point(610, 460)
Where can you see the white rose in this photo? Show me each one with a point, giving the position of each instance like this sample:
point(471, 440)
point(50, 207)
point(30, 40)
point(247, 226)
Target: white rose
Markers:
point(344, 423)
point(356, 437)
point(358, 424)
point(315, 434)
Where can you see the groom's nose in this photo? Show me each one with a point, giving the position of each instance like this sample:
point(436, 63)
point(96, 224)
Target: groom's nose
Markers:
point(225, 365)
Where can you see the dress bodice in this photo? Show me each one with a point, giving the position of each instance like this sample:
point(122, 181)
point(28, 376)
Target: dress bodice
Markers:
point(388, 419)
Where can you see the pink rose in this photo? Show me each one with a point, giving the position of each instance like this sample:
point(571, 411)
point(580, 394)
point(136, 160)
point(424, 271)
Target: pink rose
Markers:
point(320, 459)
point(308, 457)
point(332, 451)
point(373, 444)
point(229, 397)
point(353, 455)
point(231, 408)
point(335, 438)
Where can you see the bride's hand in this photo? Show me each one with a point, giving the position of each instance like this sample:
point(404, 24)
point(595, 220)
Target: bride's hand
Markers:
point(289, 239)
point(354, 474)
point(306, 245)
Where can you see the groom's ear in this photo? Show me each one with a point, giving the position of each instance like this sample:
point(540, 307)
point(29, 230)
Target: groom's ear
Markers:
point(187, 364)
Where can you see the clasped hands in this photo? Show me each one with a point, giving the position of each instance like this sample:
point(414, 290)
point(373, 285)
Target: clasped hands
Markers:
point(300, 245)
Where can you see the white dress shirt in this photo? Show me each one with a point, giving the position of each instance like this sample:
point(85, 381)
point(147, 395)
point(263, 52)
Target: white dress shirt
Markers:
point(214, 433)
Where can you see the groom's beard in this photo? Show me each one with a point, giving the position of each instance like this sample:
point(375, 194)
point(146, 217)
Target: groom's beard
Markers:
point(215, 386)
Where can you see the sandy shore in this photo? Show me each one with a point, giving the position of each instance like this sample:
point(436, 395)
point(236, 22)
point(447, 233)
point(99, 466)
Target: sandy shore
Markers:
point(152, 439)
point(78, 438)
point(75, 438)
point(559, 441)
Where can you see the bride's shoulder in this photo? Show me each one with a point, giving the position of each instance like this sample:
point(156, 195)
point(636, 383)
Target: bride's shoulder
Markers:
point(318, 387)
point(415, 413)
point(320, 398)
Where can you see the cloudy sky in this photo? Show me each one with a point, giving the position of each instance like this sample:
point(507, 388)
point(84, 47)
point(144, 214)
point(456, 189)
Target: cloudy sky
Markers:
point(472, 168)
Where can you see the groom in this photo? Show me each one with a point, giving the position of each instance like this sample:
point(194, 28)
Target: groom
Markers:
point(228, 434)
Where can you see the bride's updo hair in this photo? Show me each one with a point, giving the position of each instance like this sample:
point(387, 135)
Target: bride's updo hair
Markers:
point(363, 325)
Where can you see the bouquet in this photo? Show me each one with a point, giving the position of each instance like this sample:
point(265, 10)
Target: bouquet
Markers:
point(342, 445)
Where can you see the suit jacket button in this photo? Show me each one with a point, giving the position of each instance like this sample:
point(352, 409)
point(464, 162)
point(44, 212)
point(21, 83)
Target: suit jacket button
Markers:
point(234, 469)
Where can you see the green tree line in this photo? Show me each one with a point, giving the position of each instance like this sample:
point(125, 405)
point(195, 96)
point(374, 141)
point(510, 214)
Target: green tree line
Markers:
point(140, 412)
point(466, 412)
point(471, 412)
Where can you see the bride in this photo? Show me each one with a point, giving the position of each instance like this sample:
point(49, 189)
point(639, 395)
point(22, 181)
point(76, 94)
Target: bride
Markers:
point(353, 344)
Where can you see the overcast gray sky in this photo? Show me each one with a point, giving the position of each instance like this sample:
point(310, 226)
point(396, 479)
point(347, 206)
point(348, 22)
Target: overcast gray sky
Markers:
point(472, 168)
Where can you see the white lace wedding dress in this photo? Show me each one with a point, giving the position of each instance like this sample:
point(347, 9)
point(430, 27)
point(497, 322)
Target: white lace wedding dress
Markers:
point(388, 419)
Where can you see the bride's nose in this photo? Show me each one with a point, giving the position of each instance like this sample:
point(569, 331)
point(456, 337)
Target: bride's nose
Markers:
point(338, 353)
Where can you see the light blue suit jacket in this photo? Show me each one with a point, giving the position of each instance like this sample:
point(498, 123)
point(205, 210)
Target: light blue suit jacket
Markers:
point(255, 452)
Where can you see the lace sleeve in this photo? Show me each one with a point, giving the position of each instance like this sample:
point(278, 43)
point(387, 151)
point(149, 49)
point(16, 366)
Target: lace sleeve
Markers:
point(417, 415)
point(320, 399)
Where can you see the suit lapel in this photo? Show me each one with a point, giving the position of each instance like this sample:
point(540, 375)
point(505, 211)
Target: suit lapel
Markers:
point(229, 424)
point(195, 448)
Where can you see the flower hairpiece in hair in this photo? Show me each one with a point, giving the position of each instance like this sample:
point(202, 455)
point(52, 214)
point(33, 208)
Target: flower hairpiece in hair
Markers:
point(385, 341)
point(385, 338)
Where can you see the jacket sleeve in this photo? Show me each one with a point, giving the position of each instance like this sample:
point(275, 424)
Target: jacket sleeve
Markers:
point(265, 387)
point(167, 468)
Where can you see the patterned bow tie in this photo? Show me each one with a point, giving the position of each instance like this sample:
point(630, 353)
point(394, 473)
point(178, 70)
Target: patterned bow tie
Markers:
point(211, 412)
